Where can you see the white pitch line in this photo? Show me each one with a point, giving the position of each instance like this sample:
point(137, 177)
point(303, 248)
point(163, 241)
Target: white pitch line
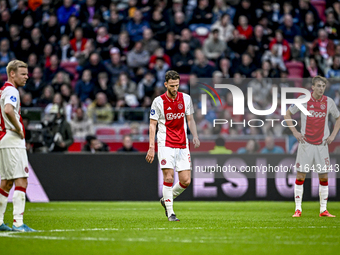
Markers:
point(196, 240)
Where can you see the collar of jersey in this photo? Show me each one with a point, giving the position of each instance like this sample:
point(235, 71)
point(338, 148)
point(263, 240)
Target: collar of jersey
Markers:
point(170, 99)
point(317, 100)
point(10, 83)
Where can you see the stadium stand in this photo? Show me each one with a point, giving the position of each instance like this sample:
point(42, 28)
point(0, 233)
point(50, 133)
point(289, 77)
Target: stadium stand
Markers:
point(125, 76)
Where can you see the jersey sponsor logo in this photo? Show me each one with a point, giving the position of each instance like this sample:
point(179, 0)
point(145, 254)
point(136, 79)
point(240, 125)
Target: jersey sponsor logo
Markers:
point(169, 108)
point(173, 116)
point(26, 169)
point(152, 112)
point(180, 106)
point(323, 107)
point(297, 165)
point(163, 162)
point(13, 99)
point(317, 114)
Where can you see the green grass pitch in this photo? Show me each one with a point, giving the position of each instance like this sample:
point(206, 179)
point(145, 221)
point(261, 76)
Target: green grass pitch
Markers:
point(205, 228)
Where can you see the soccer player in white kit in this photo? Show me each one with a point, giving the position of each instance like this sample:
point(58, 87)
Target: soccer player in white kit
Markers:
point(313, 142)
point(13, 156)
point(171, 111)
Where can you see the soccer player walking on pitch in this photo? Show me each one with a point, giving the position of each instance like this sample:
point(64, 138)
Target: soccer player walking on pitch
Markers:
point(170, 111)
point(313, 142)
point(13, 156)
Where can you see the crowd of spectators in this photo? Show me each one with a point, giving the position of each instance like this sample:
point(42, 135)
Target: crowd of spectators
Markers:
point(122, 49)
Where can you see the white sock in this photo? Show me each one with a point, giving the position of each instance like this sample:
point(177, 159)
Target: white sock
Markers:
point(298, 192)
point(3, 204)
point(177, 189)
point(323, 194)
point(19, 200)
point(168, 197)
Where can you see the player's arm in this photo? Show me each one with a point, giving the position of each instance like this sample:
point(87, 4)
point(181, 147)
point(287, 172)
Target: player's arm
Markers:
point(9, 111)
point(193, 130)
point(331, 138)
point(152, 133)
point(297, 134)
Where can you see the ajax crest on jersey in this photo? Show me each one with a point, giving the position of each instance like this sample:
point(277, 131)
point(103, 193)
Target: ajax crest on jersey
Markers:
point(323, 107)
point(180, 106)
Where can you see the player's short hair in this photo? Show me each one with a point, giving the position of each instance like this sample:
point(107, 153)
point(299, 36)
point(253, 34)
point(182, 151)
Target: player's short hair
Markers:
point(14, 65)
point(318, 78)
point(171, 75)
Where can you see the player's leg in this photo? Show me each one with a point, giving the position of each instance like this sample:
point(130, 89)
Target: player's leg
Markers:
point(183, 167)
point(298, 193)
point(19, 166)
point(168, 180)
point(322, 159)
point(304, 160)
point(19, 201)
point(184, 181)
point(5, 188)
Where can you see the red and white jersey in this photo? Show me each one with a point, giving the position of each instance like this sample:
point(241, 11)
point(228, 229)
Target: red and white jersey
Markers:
point(9, 139)
point(315, 126)
point(171, 117)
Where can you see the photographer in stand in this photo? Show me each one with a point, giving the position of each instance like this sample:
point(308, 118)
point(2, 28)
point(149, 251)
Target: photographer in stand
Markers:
point(55, 134)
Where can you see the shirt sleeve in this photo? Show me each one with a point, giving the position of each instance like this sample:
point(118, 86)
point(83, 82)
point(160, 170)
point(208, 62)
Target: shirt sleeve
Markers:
point(155, 111)
point(333, 109)
point(11, 96)
point(189, 108)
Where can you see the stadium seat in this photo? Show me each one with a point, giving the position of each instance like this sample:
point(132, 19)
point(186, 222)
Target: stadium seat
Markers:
point(72, 68)
point(125, 131)
point(105, 131)
point(145, 131)
point(320, 6)
point(201, 38)
point(295, 69)
point(184, 78)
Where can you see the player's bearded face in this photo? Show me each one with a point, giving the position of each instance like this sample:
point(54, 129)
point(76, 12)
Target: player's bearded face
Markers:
point(172, 87)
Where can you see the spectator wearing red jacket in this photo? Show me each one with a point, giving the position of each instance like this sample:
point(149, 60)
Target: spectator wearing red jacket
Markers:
point(78, 42)
point(324, 45)
point(283, 45)
point(246, 31)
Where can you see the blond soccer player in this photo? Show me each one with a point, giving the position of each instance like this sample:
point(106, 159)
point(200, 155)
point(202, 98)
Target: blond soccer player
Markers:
point(13, 156)
point(313, 143)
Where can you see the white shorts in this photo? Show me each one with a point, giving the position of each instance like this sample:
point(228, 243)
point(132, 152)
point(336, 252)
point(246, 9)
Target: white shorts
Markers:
point(174, 158)
point(13, 163)
point(312, 157)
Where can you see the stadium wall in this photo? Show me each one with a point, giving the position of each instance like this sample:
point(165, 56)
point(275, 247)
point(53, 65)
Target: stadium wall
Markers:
point(120, 177)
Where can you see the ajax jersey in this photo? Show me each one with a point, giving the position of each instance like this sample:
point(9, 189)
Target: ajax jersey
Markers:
point(171, 117)
point(9, 139)
point(315, 126)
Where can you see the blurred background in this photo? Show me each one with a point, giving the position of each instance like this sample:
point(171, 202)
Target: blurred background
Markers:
point(95, 66)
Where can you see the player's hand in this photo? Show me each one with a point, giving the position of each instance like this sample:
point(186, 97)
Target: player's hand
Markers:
point(299, 137)
point(19, 132)
point(196, 142)
point(150, 155)
point(329, 140)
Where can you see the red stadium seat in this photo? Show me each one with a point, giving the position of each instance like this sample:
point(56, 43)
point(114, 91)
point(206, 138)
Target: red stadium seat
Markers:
point(105, 131)
point(201, 38)
point(72, 68)
point(295, 69)
point(145, 131)
point(125, 131)
point(320, 6)
point(184, 78)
